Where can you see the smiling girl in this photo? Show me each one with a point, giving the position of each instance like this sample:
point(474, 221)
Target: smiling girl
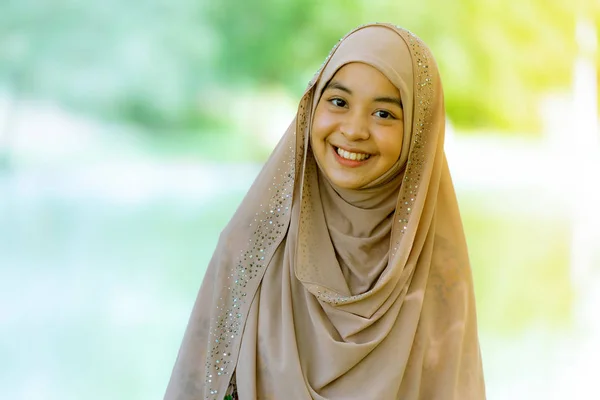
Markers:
point(344, 273)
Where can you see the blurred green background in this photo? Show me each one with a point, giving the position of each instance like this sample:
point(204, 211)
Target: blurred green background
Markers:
point(129, 131)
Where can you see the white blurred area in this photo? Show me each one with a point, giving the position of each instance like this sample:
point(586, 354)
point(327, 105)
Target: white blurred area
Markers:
point(55, 155)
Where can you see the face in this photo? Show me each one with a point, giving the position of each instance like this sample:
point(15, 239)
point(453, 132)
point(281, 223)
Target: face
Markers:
point(358, 126)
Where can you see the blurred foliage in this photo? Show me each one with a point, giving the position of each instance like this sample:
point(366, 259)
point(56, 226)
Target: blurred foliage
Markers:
point(155, 62)
point(144, 62)
point(519, 283)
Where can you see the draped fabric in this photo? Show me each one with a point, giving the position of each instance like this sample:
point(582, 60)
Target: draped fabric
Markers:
point(319, 292)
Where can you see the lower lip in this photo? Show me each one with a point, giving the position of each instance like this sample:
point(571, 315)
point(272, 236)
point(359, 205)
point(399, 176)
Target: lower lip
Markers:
point(349, 163)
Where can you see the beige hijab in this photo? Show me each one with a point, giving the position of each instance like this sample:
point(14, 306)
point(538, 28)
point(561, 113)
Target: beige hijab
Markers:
point(315, 292)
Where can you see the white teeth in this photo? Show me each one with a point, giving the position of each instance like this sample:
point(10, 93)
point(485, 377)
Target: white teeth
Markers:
point(352, 156)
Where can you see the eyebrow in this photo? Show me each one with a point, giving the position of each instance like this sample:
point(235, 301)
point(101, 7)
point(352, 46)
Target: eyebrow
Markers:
point(337, 85)
point(384, 99)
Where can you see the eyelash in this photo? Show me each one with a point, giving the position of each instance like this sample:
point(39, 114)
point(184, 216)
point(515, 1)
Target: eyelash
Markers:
point(390, 115)
point(336, 99)
point(332, 101)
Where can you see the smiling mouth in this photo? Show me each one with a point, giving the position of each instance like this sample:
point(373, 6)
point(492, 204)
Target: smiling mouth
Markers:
point(351, 156)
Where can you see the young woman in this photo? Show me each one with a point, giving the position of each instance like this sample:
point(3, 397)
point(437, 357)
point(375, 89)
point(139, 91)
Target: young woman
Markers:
point(344, 273)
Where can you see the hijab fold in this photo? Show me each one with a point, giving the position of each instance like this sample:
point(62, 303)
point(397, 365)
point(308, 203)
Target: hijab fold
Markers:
point(319, 292)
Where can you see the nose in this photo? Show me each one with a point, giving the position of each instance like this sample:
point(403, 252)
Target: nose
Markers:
point(355, 127)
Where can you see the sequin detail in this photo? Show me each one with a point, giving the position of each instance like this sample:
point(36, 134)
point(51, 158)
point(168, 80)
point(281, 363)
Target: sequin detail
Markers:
point(421, 128)
point(270, 224)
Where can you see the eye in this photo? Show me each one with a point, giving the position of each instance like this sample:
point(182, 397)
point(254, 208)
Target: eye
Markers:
point(384, 114)
point(336, 101)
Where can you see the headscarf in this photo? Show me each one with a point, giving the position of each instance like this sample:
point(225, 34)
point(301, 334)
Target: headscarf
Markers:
point(319, 292)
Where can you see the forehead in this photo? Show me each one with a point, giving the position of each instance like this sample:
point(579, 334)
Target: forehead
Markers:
point(362, 78)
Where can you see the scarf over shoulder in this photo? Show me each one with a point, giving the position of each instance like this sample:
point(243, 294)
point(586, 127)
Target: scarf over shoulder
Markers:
point(318, 292)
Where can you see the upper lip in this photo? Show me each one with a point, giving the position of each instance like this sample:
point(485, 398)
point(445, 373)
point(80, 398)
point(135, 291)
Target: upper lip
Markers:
point(351, 149)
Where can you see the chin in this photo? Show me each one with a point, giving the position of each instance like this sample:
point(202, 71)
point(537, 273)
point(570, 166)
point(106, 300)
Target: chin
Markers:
point(345, 184)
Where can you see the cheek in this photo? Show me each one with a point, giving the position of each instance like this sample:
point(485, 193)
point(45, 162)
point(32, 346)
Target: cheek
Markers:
point(323, 125)
point(390, 143)
point(317, 135)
